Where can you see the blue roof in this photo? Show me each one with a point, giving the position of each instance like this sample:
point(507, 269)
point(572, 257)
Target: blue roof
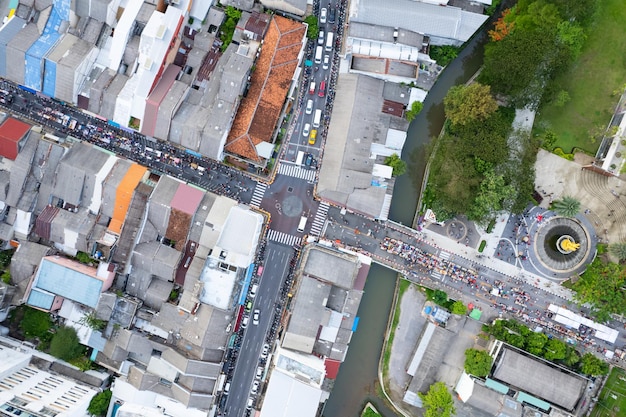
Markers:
point(41, 299)
point(41, 47)
point(527, 398)
point(68, 283)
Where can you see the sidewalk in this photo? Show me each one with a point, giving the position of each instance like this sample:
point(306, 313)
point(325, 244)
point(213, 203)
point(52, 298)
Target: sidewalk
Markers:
point(497, 265)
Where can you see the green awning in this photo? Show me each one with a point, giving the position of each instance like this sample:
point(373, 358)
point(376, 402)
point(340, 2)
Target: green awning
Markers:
point(527, 398)
point(475, 314)
point(496, 386)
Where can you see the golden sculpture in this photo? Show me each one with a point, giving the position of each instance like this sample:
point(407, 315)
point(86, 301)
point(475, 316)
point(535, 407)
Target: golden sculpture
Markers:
point(569, 245)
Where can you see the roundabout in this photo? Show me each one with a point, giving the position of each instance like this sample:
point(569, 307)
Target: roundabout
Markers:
point(562, 245)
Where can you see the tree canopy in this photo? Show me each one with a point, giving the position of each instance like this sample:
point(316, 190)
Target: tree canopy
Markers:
point(99, 404)
point(438, 401)
point(398, 165)
point(65, 344)
point(477, 362)
point(313, 29)
point(618, 250)
point(566, 206)
point(531, 43)
point(472, 172)
point(469, 103)
point(601, 285)
point(415, 109)
point(458, 308)
point(35, 322)
point(591, 365)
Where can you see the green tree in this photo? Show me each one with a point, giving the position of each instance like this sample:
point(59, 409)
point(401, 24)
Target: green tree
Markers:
point(477, 362)
point(567, 206)
point(233, 13)
point(535, 343)
point(35, 322)
point(99, 404)
point(443, 54)
point(438, 401)
point(6, 277)
point(313, 29)
point(415, 109)
point(90, 320)
point(469, 103)
point(555, 349)
point(398, 165)
point(440, 297)
point(494, 195)
point(590, 365)
point(601, 285)
point(562, 98)
point(618, 250)
point(572, 357)
point(66, 345)
point(458, 308)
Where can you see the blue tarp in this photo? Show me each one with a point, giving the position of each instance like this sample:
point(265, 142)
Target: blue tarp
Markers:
point(33, 72)
point(196, 154)
point(246, 284)
point(355, 324)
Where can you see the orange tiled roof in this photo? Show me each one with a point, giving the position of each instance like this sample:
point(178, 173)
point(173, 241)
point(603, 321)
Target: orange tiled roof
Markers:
point(260, 109)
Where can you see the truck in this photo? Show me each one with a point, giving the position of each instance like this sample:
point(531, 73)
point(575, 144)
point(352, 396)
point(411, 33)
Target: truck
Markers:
point(318, 54)
point(300, 158)
point(302, 224)
point(318, 118)
point(329, 41)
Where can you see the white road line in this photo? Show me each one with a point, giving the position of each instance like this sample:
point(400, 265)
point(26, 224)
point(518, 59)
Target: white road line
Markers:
point(296, 171)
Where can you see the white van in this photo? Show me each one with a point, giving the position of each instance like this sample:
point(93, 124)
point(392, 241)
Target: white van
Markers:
point(317, 119)
point(318, 54)
point(302, 224)
point(329, 41)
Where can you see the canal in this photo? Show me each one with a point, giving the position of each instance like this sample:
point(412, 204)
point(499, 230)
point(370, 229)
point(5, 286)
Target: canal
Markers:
point(358, 377)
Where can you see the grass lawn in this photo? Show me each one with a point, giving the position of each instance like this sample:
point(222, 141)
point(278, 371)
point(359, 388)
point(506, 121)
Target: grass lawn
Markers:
point(591, 83)
point(612, 400)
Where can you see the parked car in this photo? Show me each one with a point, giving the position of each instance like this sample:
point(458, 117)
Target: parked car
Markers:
point(255, 317)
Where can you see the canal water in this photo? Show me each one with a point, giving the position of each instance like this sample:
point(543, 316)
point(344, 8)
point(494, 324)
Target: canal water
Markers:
point(357, 380)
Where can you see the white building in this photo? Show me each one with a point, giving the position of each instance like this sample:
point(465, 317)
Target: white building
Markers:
point(34, 392)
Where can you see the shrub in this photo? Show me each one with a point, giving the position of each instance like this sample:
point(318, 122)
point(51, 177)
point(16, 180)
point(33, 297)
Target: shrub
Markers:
point(481, 248)
point(65, 344)
point(99, 404)
point(35, 323)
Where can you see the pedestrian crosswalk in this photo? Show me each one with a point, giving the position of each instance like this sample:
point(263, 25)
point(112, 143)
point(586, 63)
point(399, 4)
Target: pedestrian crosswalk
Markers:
point(280, 237)
point(259, 192)
point(436, 275)
point(296, 171)
point(444, 255)
point(320, 218)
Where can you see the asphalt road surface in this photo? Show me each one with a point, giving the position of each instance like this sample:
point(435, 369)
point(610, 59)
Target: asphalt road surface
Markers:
point(277, 263)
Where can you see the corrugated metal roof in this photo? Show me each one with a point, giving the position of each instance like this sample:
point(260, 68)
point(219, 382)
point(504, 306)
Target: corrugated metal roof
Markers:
point(124, 195)
point(187, 199)
point(7, 33)
point(56, 276)
point(154, 100)
point(434, 20)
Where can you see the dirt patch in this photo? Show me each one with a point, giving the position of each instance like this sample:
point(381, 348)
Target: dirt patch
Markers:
point(178, 228)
